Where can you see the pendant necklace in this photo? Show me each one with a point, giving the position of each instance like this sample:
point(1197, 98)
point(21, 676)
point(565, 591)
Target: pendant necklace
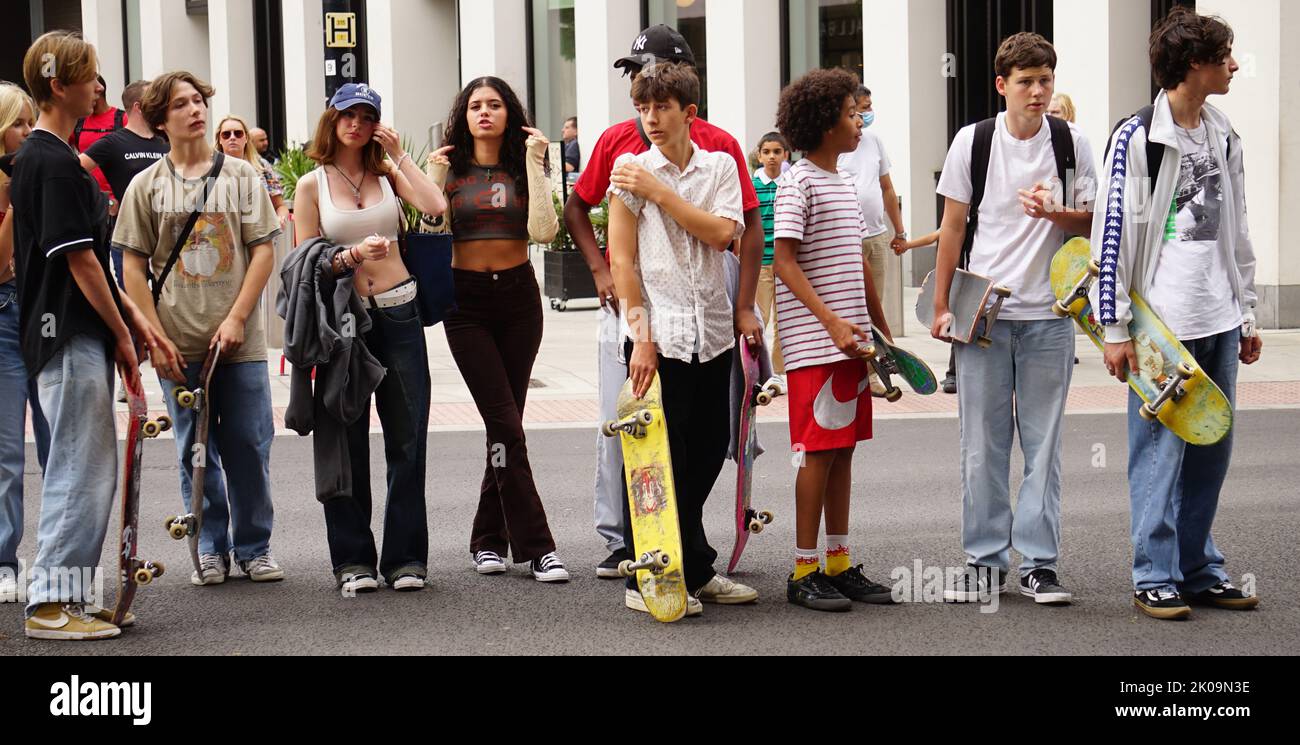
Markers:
point(356, 190)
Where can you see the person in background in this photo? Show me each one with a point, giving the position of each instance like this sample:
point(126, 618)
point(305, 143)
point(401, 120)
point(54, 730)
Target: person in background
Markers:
point(103, 121)
point(1062, 107)
point(232, 139)
point(773, 152)
point(572, 153)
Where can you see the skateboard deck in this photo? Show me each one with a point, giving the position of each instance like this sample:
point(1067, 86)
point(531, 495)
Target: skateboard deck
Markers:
point(893, 360)
point(198, 401)
point(969, 300)
point(133, 572)
point(652, 499)
point(748, 520)
point(1173, 386)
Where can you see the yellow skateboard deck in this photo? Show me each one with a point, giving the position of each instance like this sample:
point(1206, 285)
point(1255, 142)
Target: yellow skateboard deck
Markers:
point(648, 467)
point(1175, 388)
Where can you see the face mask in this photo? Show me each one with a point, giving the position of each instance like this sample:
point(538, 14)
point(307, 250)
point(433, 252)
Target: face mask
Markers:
point(868, 118)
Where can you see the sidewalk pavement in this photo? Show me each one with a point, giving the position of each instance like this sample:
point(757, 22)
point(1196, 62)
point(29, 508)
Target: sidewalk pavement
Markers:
point(563, 392)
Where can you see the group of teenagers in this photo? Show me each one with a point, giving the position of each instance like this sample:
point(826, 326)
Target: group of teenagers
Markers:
point(685, 253)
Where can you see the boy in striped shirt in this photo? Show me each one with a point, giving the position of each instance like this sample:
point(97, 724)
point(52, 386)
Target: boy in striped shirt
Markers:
point(826, 304)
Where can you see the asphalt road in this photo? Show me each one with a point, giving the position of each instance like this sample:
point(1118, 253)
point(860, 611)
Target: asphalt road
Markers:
point(906, 510)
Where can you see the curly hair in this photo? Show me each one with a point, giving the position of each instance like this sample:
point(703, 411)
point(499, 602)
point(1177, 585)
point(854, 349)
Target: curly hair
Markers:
point(512, 157)
point(1184, 38)
point(811, 105)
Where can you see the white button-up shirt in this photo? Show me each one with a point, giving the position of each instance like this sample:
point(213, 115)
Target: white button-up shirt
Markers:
point(683, 281)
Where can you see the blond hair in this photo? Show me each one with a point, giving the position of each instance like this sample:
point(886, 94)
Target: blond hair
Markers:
point(250, 151)
point(58, 55)
point(12, 101)
point(1067, 106)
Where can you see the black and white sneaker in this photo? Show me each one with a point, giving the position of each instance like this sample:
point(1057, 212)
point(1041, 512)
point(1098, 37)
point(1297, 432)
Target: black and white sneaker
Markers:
point(854, 585)
point(608, 569)
point(407, 582)
point(1043, 587)
point(1223, 595)
point(549, 568)
point(488, 562)
point(357, 583)
point(1161, 603)
point(976, 584)
point(816, 592)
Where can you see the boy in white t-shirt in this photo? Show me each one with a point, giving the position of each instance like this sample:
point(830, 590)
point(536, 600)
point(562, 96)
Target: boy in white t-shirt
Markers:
point(1020, 382)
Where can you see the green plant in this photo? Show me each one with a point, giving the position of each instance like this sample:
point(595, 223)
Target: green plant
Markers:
point(293, 165)
point(417, 156)
point(599, 223)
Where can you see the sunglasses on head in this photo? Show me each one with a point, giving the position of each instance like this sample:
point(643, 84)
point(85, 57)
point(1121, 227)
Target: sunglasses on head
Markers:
point(232, 133)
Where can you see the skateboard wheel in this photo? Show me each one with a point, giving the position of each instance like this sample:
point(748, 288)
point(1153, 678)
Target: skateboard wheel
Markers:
point(1147, 412)
point(1060, 310)
point(607, 429)
point(1002, 292)
point(766, 516)
point(625, 568)
point(143, 576)
point(763, 398)
point(755, 526)
point(184, 397)
point(645, 417)
point(150, 429)
point(893, 395)
point(1094, 270)
point(164, 422)
point(1186, 371)
point(158, 569)
point(663, 559)
point(984, 342)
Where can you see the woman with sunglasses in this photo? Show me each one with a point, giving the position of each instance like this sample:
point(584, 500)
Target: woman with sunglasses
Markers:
point(233, 140)
point(500, 200)
point(352, 201)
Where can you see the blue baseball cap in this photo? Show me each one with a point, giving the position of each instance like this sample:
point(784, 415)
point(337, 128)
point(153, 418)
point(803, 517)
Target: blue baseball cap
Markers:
point(352, 94)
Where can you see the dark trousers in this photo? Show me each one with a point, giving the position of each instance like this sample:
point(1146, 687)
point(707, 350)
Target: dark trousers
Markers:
point(397, 340)
point(494, 335)
point(696, 399)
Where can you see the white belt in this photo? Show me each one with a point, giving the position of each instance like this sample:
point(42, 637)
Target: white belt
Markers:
point(399, 295)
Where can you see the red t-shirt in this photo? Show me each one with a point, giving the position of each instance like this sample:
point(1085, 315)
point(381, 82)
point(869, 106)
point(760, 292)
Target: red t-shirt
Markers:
point(624, 138)
point(104, 123)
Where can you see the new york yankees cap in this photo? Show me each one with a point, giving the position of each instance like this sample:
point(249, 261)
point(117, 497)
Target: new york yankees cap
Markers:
point(656, 44)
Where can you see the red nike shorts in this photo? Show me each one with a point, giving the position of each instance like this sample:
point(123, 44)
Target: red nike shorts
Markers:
point(830, 405)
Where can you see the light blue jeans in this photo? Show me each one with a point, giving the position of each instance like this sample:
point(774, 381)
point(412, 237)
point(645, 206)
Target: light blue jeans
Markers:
point(15, 393)
point(240, 430)
point(76, 392)
point(1174, 487)
point(1019, 384)
point(611, 375)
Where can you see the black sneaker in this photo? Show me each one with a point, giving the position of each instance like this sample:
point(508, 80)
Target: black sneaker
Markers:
point(950, 384)
point(608, 569)
point(1043, 587)
point(975, 585)
point(815, 591)
point(1163, 604)
point(854, 585)
point(1223, 595)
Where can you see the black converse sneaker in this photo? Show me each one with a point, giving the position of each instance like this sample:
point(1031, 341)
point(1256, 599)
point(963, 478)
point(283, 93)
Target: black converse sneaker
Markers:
point(975, 584)
point(854, 585)
point(1162, 603)
point(549, 568)
point(1042, 586)
point(815, 591)
point(1223, 595)
point(608, 569)
point(488, 562)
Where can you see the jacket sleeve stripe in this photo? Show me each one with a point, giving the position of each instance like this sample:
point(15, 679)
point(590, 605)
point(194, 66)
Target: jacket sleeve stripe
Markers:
point(1114, 222)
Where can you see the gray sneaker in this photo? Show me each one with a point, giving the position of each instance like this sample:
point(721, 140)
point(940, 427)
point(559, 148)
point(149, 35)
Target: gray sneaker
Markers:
point(213, 570)
point(262, 569)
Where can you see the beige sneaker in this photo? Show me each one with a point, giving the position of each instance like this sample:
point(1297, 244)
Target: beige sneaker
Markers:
point(633, 600)
point(725, 592)
point(67, 622)
point(106, 615)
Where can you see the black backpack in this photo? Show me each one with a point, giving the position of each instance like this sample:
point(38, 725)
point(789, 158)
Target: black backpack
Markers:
point(982, 150)
point(1155, 151)
point(118, 122)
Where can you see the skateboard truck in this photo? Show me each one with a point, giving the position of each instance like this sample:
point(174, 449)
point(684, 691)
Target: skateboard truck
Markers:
point(155, 427)
point(757, 520)
point(655, 561)
point(634, 425)
point(764, 394)
point(1171, 391)
point(991, 317)
point(883, 368)
point(179, 526)
point(145, 572)
point(1080, 292)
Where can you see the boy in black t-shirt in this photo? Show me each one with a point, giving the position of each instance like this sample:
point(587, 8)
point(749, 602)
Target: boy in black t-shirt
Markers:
point(71, 321)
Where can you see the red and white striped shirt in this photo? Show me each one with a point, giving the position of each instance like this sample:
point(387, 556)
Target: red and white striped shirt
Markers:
point(820, 210)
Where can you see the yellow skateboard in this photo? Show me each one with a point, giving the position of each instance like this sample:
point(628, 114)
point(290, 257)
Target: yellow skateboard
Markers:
point(648, 468)
point(1175, 388)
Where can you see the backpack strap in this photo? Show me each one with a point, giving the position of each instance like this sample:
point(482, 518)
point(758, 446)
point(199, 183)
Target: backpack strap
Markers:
point(1062, 149)
point(640, 129)
point(118, 119)
point(76, 133)
point(981, 151)
point(218, 161)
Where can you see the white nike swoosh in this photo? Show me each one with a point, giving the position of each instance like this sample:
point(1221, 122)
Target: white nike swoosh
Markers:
point(832, 414)
point(57, 623)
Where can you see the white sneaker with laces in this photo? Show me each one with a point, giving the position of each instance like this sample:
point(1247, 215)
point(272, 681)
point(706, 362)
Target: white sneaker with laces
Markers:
point(214, 568)
point(725, 592)
point(262, 569)
point(354, 583)
point(549, 568)
point(488, 562)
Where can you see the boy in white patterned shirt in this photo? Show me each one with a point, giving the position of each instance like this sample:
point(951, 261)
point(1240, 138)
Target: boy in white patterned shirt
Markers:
point(675, 210)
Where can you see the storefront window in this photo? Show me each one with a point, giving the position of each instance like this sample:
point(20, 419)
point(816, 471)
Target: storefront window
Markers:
point(687, 16)
point(555, 77)
point(823, 34)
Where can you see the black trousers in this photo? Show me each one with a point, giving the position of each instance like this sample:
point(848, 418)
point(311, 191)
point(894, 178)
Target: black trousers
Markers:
point(696, 399)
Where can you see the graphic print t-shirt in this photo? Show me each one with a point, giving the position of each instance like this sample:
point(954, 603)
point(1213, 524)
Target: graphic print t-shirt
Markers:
point(1192, 291)
point(209, 274)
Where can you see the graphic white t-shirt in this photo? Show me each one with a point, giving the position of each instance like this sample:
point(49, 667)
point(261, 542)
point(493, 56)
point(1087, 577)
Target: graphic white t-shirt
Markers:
point(1011, 247)
point(1191, 289)
point(864, 168)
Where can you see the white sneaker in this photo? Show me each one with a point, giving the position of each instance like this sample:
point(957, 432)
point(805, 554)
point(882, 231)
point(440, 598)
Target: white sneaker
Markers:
point(214, 568)
point(549, 568)
point(8, 585)
point(488, 562)
point(725, 592)
point(632, 599)
point(262, 569)
point(354, 583)
point(408, 583)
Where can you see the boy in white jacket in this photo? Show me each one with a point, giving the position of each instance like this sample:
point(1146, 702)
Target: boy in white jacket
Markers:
point(1175, 232)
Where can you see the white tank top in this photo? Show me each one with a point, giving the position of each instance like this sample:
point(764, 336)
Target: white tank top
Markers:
point(350, 227)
